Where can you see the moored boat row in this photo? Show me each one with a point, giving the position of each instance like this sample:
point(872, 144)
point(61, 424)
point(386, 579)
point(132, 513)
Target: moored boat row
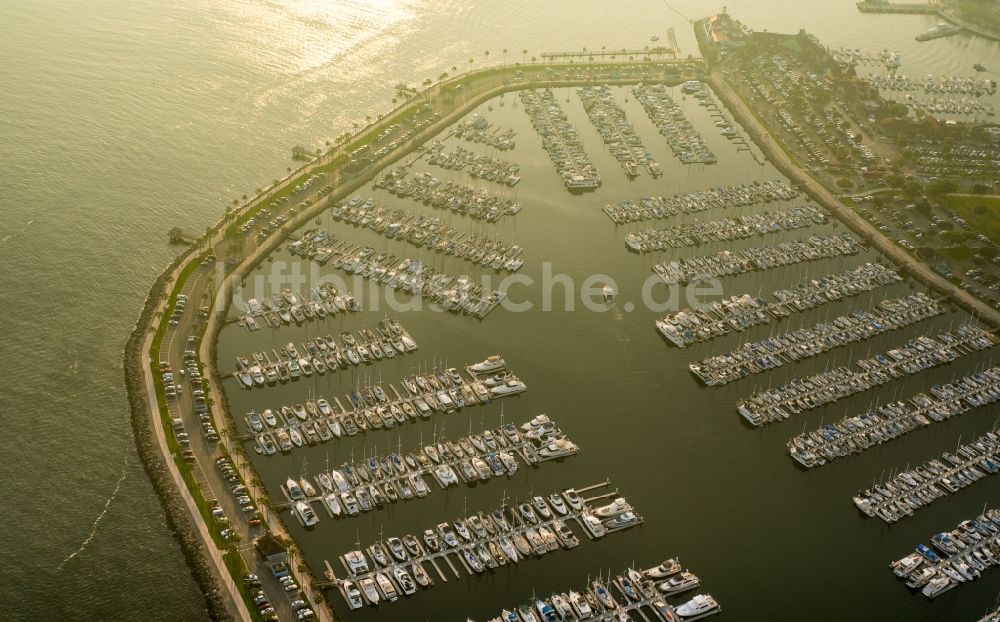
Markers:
point(684, 140)
point(961, 556)
point(323, 354)
point(701, 232)
point(729, 263)
point(915, 488)
point(379, 480)
point(479, 542)
point(826, 387)
point(611, 599)
point(773, 352)
point(853, 435)
point(721, 317)
point(725, 197)
point(560, 140)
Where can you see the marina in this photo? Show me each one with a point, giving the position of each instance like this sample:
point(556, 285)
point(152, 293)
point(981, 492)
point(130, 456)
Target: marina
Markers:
point(634, 590)
point(725, 197)
point(955, 557)
point(560, 140)
point(829, 386)
point(729, 263)
point(323, 354)
point(738, 313)
point(684, 140)
point(429, 233)
point(476, 203)
point(773, 352)
point(286, 427)
point(357, 488)
point(696, 233)
point(617, 133)
point(912, 489)
point(853, 435)
point(481, 542)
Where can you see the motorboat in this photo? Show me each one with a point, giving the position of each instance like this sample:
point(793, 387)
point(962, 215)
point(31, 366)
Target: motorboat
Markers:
point(490, 364)
point(612, 509)
point(664, 570)
point(679, 583)
point(700, 605)
point(294, 490)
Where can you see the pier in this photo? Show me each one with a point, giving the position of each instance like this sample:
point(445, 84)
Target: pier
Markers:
point(853, 435)
point(698, 232)
point(729, 263)
point(371, 408)
point(965, 553)
point(725, 197)
point(915, 488)
point(773, 352)
point(741, 312)
point(479, 542)
point(909, 8)
point(357, 488)
point(829, 386)
point(615, 597)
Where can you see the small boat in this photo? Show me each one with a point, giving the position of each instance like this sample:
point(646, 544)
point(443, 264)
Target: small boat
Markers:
point(609, 294)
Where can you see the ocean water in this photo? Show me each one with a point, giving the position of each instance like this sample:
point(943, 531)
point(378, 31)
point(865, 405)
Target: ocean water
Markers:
point(123, 119)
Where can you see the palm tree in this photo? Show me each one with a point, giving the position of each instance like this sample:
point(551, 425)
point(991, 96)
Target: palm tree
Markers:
point(505, 57)
point(244, 198)
point(532, 60)
point(486, 57)
point(236, 202)
point(368, 119)
point(524, 56)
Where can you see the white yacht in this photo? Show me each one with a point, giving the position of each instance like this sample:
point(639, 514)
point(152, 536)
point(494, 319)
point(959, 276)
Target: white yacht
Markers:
point(371, 593)
point(580, 605)
point(306, 513)
point(664, 570)
point(294, 491)
point(356, 562)
point(491, 364)
point(614, 508)
point(700, 605)
point(680, 583)
point(670, 331)
point(609, 294)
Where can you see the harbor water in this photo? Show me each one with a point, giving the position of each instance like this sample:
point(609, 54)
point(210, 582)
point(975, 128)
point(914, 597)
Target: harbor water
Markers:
point(125, 119)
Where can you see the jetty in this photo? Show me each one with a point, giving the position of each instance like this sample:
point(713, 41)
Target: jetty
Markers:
point(323, 355)
point(853, 435)
point(476, 165)
point(379, 480)
point(699, 232)
point(642, 592)
point(480, 542)
point(616, 131)
point(912, 489)
point(740, 312)
point(729, 263)
point(686, 142)
point(955, 557)
point(426, 232)
point(560, 140)
point(373, 407)
point(476, 203)
point(773, 352)
point(910, 8)
point(725, 197)
point(829, 386)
